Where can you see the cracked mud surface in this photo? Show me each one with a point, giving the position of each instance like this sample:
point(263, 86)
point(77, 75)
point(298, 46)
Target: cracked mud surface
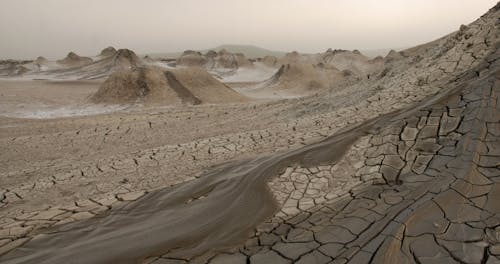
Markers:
point(404, 174)
point(443, 209)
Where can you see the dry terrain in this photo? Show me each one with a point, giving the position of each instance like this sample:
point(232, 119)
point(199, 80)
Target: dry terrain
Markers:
point(216, 158)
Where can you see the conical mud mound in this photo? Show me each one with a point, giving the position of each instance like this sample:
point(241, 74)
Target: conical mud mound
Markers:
point(191, 59)
point(218, 62)
point(153, 85)
point(122, 59)
point(139, 85)
point(302, 79)
point(109, 51)
point(74, 60)
point(353, 61)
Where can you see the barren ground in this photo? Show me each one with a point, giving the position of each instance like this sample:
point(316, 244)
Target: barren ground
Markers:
point(398, 168)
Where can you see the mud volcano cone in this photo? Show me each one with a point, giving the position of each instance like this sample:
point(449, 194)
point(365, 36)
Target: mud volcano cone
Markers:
point(154, 85)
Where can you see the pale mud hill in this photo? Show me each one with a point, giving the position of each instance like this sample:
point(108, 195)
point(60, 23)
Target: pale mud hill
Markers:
point(147, 59)
point(393, 56)
point(218, 63)
point(15, 68)
point(41, 63)
point(122, 59)
point(74, 60)
point(352, 61)
point(12, 68)
point(138, 85)
point(107, 52)
point(295, 57)
point(228, 60)
point(300, 79)
point(269, 61)
point(191, 58)
point(154, 85)
point(305, 74)
point(430, 66)
point(41, 60)
point(205, 87)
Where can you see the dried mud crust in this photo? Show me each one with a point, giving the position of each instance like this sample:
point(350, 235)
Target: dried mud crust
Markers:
point(410, 180)
point(423, 189)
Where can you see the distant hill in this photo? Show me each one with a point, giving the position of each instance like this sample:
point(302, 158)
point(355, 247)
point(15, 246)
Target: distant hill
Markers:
point(249, 51)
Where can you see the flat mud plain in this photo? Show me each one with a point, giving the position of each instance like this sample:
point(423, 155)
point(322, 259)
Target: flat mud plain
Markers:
point(398, 168)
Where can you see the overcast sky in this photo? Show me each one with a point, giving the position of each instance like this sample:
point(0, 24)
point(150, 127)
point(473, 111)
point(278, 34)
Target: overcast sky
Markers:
point(52, 28)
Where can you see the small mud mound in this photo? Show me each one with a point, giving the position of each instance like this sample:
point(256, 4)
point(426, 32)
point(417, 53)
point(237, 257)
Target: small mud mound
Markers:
point(191, 59)
point(11, 68)
point(123, 59)
point(139, 85)
point(378, 59)
point(154, 85)
point(148, 59)
point(393, 56)
point(220, 63)
point(300, 78)
point(270, 61)
point(296, 58)
point(352, 61)
point(74, 60)
point(228, 60)
point(211, 54)
point(107, 52)
point(184, 94)
point(205, 87)
point(40, 64)
point(41, 61)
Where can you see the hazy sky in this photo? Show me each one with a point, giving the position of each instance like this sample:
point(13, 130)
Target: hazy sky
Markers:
point(52, 28)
